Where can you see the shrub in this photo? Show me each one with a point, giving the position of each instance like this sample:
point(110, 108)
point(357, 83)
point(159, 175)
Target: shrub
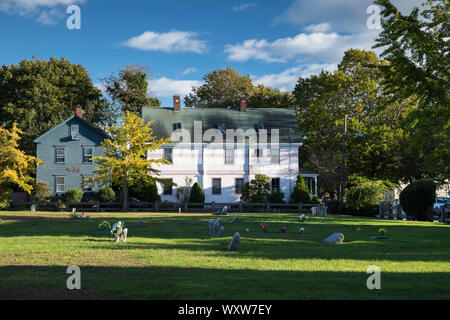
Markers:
point(41, 192)
point(368, 193)
point(197, 194)
point(417, 197)
point(107, 194)
point(275, 197)
point(74, 195)
point(257, 189)
point(315, 200)
point(301, 192)
point(334, 207)
point(145, 190)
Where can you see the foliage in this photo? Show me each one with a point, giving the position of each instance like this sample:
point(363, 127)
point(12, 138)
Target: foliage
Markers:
point(315, 200)
point(301, 192)
point(417, 50)
point(41, 192)
point(125, 155)
point(5, 199)
point(39, 94)
point(223, 87)
point(16, 168)
point(145, 190)
point(129, 89)
point(107, 194)
point(417, 197)
point(257, 189)
point(354, 90)
point(74, 195)
point(197, 194)
point(276, 196)
point(365, 194)
point(105, 225)
point(184, 191)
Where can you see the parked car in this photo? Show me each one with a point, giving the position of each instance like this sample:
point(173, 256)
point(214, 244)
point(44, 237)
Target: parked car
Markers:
point(440, 201)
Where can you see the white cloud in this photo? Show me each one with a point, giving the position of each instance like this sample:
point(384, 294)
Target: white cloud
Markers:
point(321, 27)
point(190, 70)
point(47, 12)
point(166, 87)
point(244, 6)
point(316, 45)
point(286, 80)
point(173, 41)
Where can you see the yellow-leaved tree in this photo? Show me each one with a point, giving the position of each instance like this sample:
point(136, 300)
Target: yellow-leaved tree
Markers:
point(16, 168)
point(125, 155)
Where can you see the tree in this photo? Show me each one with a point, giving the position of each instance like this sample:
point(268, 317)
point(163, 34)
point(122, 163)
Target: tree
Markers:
point(417, 50)
point(40, 94)
point(125, 155)
point(41, 192)
point(257, 189)
point(418, 197)
point(183, 193)
point(16, 167)
point(197, 195)
point(266, 97)
point(145, 190)
point(129, 89)
point(323, 101)
point(301, 192)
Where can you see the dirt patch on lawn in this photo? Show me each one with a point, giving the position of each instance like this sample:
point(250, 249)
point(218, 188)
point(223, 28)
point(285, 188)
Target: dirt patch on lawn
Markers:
point(48, 293)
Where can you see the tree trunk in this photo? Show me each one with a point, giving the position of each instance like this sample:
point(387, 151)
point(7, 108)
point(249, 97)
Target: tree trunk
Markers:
point(125, 196)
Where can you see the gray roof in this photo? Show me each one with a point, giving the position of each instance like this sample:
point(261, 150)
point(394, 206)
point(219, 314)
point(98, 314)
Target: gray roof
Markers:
point(272, 118)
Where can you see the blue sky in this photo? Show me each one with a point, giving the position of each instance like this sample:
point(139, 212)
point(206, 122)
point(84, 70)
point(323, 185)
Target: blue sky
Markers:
point(275, 42)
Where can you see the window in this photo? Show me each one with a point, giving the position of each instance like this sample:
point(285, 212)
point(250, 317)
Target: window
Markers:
point(217, 186)
point(168, 188)
point(87, 154)
point(275, 184)
point(275, 155)
point(168, 154)
point(60, 185)
point(60, 155)
point(75, 131)
point(311, 184)
point(176, 126)
point(229, 156)
point(239, 185)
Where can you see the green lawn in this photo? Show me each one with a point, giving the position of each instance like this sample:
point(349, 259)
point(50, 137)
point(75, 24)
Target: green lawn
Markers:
point(172, 257)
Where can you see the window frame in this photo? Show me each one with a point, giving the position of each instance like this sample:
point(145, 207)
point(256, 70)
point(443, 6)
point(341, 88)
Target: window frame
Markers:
point(77, 131)
point(58, 156)
point(89, 160)
point(277, 156)
point(214, 188)
point(59, 184)
point(227, 157)
point(236, 185)
point(170, 158)
point(168, 189)
point(277, 186)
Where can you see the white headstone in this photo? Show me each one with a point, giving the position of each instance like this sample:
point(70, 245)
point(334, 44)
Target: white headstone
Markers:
point(335, 238)
point(235, 243)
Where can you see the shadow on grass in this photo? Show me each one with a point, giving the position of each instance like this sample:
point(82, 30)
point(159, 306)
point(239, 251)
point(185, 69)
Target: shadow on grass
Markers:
point(207, 283)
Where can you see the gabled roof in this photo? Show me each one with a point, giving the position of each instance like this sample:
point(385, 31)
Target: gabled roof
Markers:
point(99, 131)
point(272, 118)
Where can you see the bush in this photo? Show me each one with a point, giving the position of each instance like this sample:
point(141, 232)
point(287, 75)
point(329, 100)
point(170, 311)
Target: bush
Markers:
point(315, 200)
point(197, 194)
point(41, 192)
point(276, 197)
point(145, 191)
point(107, 194)
point(417, 197)
point(301, 192)
point(334, 207)
point(368, 193)
point(256, 190)
point(364, 211)
point(74, 195)
point(5, 200)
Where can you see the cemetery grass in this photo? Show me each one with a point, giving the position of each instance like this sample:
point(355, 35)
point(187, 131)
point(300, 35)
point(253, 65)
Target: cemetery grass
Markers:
point(172, 257)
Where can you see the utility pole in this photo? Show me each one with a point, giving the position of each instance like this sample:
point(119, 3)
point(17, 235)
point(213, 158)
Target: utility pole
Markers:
point(344, 137)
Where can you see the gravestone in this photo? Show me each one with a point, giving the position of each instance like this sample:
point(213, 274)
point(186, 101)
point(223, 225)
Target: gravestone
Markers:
point(211, 227)
point(33, 207)
point(235, 243)
point(224, 211)
point(122, 237)
point(217, 224)
point(221, 232)
point(335, 238)
point(235, 219)
point(74, 210)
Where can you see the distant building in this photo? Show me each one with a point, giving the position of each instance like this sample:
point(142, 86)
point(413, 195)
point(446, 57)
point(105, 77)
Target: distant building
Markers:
point(67, 152)
point(223, 168)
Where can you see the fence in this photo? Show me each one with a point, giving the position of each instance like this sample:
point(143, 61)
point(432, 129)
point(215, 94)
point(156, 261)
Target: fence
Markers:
point(167, 207)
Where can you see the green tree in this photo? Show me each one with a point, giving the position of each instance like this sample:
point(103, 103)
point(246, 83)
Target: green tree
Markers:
point(266, 97)
point(257, 189)
point(41, 192)
point(129, 90)
point(125, 156)
point(301, 192)
point(145, 190)
point(417, 50)
point(197, 194)
point(39, 94)
point(354, 90)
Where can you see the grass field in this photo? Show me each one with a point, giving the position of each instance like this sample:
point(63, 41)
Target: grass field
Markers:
point(172, 257)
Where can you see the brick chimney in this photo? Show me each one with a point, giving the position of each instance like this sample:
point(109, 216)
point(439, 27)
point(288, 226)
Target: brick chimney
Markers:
point(79, 112)
point(243, 103)
point(176, 103)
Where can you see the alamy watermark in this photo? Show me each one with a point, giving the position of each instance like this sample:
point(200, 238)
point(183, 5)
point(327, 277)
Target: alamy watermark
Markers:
point(73, 281)
point(73, 22)
point(374, 20)
point(374, 280)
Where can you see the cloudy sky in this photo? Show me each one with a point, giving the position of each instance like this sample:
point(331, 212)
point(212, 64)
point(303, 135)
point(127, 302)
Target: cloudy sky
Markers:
point(276, 42)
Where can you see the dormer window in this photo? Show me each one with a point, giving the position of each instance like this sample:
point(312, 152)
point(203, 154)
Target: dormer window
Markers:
point(177, 126)
point(75, 132)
